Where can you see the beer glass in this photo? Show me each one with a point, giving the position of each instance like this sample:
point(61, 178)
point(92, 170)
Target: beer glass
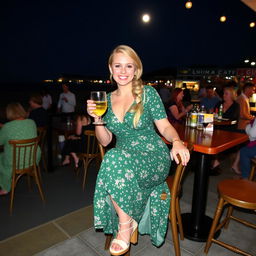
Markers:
point(100, 99)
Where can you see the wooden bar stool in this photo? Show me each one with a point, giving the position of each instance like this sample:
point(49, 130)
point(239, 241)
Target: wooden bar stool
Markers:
point(238, 193)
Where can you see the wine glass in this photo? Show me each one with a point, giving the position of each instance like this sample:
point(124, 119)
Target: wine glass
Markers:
point(100, 99)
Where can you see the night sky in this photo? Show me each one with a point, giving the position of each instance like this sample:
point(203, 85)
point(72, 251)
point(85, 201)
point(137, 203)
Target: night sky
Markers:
point(43, 39)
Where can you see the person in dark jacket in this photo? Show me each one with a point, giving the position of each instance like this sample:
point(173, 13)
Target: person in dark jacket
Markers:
point(37, 112)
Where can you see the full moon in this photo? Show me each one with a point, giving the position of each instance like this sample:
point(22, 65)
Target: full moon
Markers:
point(145, 18)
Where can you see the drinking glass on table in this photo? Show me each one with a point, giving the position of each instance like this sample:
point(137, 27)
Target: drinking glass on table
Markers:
point(100, 99)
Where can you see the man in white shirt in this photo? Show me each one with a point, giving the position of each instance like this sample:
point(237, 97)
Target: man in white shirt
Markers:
point(67, 100)
point(47, 100)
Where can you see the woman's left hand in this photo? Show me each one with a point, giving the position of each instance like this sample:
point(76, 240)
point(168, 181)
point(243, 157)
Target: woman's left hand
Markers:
point(179, 149)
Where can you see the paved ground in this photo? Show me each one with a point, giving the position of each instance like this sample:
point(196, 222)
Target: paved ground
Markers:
point(73, 234)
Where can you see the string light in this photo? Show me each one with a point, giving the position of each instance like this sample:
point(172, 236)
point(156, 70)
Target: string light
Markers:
point(252, 24)
point(188, 4)
point(223, 18)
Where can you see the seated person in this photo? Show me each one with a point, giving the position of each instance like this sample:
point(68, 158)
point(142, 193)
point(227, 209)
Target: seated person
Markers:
point(18, 128)
point(231, 109)
point(77, 143)
point(176, 110)
point(245, 117)
point(211, 100)
point(249, 151)
point(243, 101)
point(187, 94)
point(37, 112)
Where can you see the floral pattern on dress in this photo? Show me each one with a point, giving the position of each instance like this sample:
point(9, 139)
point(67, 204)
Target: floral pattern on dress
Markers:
point(134, 172)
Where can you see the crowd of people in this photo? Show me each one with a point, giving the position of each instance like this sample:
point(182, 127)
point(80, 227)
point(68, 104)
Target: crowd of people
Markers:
point(235, 103)
point(22, 123)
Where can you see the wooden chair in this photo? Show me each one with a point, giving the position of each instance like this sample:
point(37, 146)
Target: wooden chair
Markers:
point(252, 173)
point(238, 193)
point(174, 185)
point(41, 132)
point(24, 163)
point(92, 152)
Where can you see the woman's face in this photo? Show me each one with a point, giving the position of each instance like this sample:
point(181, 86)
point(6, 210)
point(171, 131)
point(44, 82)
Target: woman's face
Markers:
point(227, 96)
point(180, 96)
point(122, 68)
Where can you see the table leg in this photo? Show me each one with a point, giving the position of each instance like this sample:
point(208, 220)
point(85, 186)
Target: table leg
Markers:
point(196, 224)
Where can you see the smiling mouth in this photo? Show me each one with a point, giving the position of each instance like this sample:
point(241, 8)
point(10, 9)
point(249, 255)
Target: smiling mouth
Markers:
point(123, 77)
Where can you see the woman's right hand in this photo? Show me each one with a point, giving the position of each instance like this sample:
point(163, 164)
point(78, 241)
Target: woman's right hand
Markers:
point(90, 107)
point(188, 108)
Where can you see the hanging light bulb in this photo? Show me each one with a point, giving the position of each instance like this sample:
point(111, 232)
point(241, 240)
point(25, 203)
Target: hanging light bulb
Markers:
point(252, 24)
point(223, 18)
point(188, 4)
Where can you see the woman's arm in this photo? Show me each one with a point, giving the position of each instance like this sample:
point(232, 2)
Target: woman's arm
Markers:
point(103, 135)
point(170, 134)
point(79, 126)
point(244, 112)
point(175, 112)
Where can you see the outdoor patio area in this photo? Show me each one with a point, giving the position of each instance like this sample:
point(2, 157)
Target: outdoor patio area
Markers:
point(73, 233)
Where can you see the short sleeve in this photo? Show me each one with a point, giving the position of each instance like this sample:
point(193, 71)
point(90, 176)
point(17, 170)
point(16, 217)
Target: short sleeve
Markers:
point(154, 103)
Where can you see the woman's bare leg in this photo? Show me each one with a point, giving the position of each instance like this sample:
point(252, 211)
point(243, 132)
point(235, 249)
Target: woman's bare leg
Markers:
point(215, 163)
point(123, 217)
point(76, 159)
point(66, 160)
point(235, 165)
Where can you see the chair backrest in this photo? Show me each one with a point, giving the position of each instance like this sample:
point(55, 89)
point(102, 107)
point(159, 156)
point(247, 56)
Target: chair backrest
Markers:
point(179, 173)
point(41, 132)
point(24, 154)
point(92, 147)
point(102, 151)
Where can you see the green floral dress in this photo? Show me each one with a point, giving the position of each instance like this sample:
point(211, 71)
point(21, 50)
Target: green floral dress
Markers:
point(134, 172)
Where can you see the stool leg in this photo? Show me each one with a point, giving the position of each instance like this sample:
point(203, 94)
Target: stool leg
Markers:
point(214, 224)
point(128, 253)
point(108, 241)
point(229, 213)
point(252, 173)
point(179, 219)
point(175, 238)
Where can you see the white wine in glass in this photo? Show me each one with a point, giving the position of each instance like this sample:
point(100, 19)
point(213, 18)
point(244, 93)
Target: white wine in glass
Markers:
point(100, 99)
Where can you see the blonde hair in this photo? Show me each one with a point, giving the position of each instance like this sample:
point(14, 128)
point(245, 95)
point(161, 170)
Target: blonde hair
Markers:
point(15, 111)
point(137, 84)
point(232, 92)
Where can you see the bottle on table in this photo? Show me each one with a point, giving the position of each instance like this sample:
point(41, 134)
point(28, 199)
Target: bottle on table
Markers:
point(220, 111)
point(187, 122)
point(193, 117)
point(200, 119)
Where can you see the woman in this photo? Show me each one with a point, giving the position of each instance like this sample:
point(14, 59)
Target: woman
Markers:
point(18, 128)
point(176, 110)
point(231, 111)
point(231, 108)
point(132, 175)
point(77, 143)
